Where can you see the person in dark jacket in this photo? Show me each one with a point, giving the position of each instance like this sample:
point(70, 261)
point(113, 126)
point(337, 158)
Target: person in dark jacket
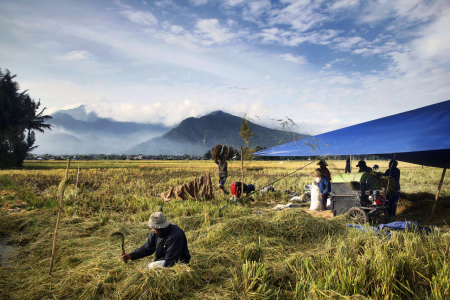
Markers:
point(167, 241)
point(393, 197)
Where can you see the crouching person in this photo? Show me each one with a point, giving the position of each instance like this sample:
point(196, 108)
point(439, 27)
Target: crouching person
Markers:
point(168, 241)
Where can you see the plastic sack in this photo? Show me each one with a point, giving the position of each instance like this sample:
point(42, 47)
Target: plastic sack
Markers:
point(315, 198)
point(156, 264)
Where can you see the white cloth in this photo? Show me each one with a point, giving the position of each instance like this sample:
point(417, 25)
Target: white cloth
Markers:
point(156, 264)
point(315, 198)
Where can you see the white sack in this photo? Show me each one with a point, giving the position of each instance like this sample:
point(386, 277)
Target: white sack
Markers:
point(315, 198)
point(156, 264)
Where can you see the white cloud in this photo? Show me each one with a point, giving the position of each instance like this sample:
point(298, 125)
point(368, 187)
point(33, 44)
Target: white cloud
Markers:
point(405, 12)
point(160, 78)
point(176, 29)
point(327, 66)
point(255, 9)
point(234, 2)
point(198, 2)
point(75, 55)
point(343, 4)
point(346, 43)
point(288, 38)
point(140, 17)
point(435, 40)
point(212, 32)
point(301, 60)
point(300, 15)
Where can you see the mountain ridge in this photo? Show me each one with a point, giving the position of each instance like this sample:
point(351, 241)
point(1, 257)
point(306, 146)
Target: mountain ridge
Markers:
point(198, 135)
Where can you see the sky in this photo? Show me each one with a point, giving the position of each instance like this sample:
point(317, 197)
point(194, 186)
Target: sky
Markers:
point(322, 64)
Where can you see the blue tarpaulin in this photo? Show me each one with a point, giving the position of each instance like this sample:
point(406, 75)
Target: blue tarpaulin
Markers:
point(420, 136)
point(399, 225)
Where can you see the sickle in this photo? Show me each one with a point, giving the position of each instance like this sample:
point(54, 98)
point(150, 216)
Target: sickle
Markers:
point(123, 240)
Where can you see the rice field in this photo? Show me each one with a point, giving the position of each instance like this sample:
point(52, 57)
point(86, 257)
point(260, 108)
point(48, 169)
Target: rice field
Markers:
point(237, 253)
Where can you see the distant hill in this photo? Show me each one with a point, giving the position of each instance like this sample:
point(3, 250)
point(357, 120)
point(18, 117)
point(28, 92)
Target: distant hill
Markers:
point(77, 132)
point(195, 136)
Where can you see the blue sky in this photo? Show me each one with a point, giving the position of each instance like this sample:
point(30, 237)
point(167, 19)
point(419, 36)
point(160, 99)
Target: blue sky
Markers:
point(324, 64)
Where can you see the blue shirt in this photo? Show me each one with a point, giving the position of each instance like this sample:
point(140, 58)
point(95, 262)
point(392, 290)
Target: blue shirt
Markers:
point(324, 185)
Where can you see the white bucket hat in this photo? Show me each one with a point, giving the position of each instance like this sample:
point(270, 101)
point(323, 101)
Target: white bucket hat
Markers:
point(158, 220)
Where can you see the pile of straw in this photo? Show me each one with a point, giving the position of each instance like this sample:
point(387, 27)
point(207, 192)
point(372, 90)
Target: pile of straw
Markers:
point(220, 151)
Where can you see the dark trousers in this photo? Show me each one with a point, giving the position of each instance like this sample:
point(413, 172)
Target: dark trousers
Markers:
point(324, 201)
point(392, 200)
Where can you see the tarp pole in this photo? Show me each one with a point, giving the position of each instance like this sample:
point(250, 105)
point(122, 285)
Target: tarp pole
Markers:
point(439, 189)
point(242, 173)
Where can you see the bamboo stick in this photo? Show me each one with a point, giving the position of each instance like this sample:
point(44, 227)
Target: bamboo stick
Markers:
point(242, 173)
point(439, 189)
point(62, 186)
point(76, 187)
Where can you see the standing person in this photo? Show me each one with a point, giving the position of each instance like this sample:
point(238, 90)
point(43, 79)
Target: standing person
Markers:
point(348, 167)
point(221, 160)
point(324, 186)
point(166, 240)
point(393, 172)
point(323, 167)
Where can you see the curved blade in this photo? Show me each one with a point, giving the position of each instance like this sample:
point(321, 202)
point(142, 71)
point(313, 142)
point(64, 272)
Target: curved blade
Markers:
point(120, 234)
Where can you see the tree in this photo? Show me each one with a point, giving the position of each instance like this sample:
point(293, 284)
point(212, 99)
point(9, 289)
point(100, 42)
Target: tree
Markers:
point(19, 119)
point(208, 155)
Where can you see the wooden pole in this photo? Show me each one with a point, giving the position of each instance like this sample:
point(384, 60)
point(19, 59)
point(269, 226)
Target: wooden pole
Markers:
point(76, 187)
point(242, 173)
point(439, 189)
point(61, 196)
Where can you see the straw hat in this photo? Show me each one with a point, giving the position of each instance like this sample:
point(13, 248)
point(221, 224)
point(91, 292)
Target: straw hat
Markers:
point(322, 162)
point(317, 173)
point(158, 220)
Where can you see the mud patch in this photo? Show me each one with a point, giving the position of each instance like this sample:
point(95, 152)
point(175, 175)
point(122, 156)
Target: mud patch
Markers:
point(6, 250)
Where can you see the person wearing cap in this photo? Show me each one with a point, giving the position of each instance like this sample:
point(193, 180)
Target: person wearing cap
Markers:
point(323, 167)
point(237, 186)
point(363, 167)
point(393, 197)
point(324, 186)
point(167, 241)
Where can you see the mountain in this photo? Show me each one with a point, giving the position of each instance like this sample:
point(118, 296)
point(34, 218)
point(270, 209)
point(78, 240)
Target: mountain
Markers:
point(196, 136)
point(80, 113)
point(77, 132)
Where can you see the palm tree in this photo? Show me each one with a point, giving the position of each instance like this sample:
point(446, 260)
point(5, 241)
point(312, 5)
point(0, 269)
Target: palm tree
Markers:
point(18, 114)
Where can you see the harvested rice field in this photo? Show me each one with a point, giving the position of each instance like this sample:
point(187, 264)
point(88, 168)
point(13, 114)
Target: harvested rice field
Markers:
point(246, 251)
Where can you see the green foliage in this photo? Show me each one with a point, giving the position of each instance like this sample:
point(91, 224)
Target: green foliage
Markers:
point(19, 118)
point(246, 132)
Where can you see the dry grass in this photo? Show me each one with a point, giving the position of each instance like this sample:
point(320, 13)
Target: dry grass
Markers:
point(236, 254)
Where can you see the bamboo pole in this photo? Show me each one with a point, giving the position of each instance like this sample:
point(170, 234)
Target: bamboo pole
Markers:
point(62, 187)
point(242, 173)
point(76, 187)
point(439, 189)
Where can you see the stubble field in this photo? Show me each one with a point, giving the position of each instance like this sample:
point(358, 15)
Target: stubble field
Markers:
point(236, 253)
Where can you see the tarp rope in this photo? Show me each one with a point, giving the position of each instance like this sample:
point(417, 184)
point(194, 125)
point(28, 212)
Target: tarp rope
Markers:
point(257, 190)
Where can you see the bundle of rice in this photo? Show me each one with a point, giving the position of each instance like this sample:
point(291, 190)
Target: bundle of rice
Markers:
point(220, 151)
